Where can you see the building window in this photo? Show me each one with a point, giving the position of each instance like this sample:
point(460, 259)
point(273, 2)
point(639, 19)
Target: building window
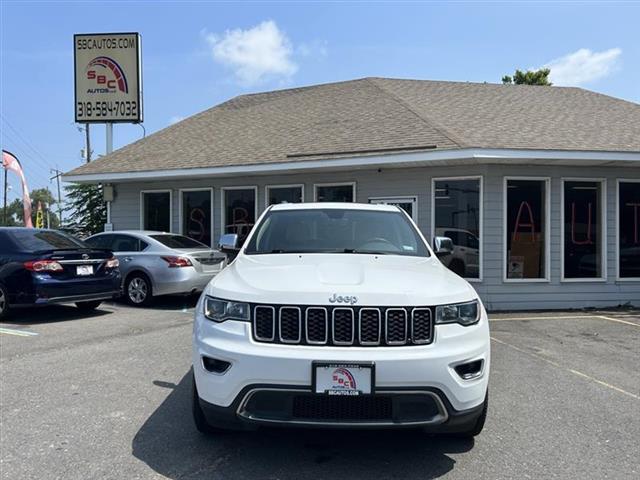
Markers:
point(629, 229)
point(457, 214)
point(408, 204)
point(285, 194)
point(583, 239)
point(239, 211)
point(337, 192)
point(156, 211)
point(195, 215)
point(526, 228)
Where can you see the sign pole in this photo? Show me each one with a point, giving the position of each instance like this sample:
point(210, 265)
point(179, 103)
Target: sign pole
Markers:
point(5, 198)
point(109, 150)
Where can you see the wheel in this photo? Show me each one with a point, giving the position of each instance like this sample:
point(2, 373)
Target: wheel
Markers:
point(4, 302)
point(88, 306)
point(137, 289)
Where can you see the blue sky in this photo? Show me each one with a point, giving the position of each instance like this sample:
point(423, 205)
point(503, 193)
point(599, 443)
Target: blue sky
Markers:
point(198, 54)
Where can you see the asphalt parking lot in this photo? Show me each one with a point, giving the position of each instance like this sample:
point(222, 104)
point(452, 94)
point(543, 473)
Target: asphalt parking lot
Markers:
point(107, 396)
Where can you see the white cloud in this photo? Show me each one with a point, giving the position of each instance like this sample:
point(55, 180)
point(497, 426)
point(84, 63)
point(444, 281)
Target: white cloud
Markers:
point(256, 54)
point(175, 119)
point(583, 66)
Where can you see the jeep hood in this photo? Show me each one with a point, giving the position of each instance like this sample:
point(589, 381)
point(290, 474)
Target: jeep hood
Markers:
point(311, 279)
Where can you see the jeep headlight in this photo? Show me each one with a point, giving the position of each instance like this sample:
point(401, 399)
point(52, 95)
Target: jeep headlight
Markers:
point(220, 310)
point(463, 313)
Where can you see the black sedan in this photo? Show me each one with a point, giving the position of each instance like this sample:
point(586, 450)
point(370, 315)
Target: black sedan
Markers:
point(43, 267)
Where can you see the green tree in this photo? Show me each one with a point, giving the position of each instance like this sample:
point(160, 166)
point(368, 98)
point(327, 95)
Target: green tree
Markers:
point(15, 210)
point(530, 77)
point(88, 210)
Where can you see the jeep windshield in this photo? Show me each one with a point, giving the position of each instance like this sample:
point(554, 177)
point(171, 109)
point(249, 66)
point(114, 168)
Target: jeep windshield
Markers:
point(336, 230)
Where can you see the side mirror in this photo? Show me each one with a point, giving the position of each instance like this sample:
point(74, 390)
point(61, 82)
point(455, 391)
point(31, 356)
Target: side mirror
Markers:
point(442, 246)
point(229, 243)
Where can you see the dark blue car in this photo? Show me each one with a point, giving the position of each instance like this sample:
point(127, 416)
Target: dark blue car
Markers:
point(43, 267)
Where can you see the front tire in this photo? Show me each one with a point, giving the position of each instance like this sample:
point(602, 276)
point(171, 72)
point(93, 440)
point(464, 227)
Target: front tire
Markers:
point(137, 290)
point(4, 302)
point(88, 306)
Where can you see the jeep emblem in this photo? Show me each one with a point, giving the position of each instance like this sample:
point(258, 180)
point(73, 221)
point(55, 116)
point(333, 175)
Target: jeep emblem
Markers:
point(350, 299)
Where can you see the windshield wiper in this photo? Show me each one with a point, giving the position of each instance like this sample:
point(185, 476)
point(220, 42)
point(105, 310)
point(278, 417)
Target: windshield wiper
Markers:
point(365, 252)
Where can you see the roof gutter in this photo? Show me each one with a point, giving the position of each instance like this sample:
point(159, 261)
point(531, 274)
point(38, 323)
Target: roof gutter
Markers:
point(412, 159)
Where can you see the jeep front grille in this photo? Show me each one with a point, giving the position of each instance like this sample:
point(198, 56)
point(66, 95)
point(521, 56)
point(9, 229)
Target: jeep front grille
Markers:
point(342, 326)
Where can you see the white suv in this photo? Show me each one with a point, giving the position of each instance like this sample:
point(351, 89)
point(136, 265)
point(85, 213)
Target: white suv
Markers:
point(339, 314)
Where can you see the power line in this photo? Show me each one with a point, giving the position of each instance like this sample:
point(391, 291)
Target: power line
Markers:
point(26, 142)
point(23, 151)
point(33, 171)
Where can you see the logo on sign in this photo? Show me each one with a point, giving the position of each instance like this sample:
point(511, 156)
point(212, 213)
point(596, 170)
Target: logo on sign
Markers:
point(343, 379)
point(107, 75)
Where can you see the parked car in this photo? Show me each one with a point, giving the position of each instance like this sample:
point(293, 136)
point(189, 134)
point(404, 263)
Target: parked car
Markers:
point(43, 267)
point(159, 263)
point(339, 315)
point(465, 258)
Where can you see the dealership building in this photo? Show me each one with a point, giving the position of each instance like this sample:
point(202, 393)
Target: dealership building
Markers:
point(538, 187)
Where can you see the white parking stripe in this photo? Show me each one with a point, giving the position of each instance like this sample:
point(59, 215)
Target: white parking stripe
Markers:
point(564, 317)
point(18, 333)
point(570, 370)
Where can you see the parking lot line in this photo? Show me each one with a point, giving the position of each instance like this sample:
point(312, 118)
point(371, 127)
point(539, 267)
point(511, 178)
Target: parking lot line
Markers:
point(570, 370)
point(619, 321)
point(17, 333)
point(565, 317)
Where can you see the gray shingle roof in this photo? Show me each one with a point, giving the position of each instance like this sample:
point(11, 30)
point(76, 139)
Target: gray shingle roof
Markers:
point(382, 115)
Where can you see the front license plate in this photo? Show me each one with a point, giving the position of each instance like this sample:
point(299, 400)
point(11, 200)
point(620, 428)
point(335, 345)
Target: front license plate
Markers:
point(84, 270)
point(343, 378)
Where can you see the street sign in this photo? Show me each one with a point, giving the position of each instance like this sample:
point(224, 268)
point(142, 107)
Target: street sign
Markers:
point(108, 80)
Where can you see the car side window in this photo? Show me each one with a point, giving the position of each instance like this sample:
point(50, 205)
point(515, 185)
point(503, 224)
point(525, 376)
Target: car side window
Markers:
point(125, 243)
point(102, 241)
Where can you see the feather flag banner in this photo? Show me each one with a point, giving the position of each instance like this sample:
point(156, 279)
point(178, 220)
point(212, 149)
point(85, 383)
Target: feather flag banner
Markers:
point(10, 162)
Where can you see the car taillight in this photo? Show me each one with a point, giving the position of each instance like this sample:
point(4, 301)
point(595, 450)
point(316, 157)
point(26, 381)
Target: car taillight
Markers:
point(112, 263)
point(43, 266)
point(177, 262)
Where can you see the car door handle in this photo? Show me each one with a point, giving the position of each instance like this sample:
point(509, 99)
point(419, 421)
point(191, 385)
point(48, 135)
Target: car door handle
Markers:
point(127, 259)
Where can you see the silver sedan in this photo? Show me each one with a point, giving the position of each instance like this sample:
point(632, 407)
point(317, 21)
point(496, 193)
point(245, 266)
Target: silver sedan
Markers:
point(158, 263)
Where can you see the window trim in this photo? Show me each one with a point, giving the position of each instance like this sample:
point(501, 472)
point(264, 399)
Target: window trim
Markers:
point(290, 185)
point(202, 189)
point(399, 199)
point(223, 219)
point(547, 231)
point(603, 230)
point(617, 254)
point(334, 184)
point(481, 233)
point(162, 190)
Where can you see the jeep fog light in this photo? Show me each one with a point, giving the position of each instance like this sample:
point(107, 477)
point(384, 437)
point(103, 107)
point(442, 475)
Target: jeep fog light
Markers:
point(463, 313)
point(220, 310)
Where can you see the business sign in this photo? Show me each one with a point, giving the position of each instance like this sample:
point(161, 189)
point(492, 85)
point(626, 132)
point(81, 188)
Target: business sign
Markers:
point(108, 82)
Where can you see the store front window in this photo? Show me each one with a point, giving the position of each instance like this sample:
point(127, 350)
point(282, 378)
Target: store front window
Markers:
point(196, 215)
point(239, 207)
point(526, 225)
point(583, 240)
point(284, 194)
point(629, 229)
point(156, 211)
point(457, 213)
point(335, 193)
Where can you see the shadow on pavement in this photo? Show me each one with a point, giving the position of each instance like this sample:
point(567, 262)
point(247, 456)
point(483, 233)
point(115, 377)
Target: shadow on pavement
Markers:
point(169, 443)
point(54, 313)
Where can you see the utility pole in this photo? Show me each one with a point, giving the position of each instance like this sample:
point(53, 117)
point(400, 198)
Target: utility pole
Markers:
point(86, 131)
point(57, 177)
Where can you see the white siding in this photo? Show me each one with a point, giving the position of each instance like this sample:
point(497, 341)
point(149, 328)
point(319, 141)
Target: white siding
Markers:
point(496, 294)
